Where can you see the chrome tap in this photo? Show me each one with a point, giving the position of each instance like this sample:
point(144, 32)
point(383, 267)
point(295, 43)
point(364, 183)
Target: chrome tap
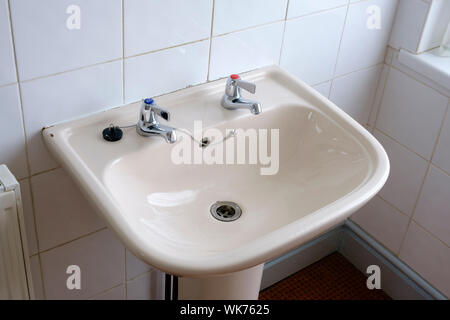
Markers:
point(232, 99)
point(149, 125)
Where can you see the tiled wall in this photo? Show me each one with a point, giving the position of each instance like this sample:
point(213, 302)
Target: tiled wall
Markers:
point(129, 49)
point(420, 24)
point(411, 215)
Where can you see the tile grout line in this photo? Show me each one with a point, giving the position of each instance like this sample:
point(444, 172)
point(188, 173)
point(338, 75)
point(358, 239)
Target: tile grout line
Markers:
point(284, 32)
point(41, 271)
point(392, 205)
point(374, 237)
point(420, 80)
point(210, 41)
point(92, 297)
point(438, 167)
point(19, 87)
point(123, 51)
point(425, 177)
point(339, 48)
point(383, 91)
point(354, 71)
point(378, 85)
point(429, 162)
point(435, 237)
point(324, 10)
point(347, 74)
point(9, 83)
point(126, 273)
point(71, 70)
point(73, 240)
point(256, 26)
point(409, 217)
point(383, 63)
point(401, 144)
point(140, 275)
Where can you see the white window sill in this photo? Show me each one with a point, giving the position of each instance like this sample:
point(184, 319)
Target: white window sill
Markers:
point(429, 64)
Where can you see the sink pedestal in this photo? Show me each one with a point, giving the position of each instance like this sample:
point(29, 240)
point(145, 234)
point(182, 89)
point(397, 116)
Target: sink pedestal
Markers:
point(241, 285)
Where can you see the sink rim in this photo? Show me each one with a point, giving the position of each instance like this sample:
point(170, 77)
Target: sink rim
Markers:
point(293, 234)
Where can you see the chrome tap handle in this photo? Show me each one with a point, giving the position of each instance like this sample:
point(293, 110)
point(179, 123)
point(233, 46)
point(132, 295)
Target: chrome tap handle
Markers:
point(249, 86)
point(161, 112)
point(234, 85)
point(150, 109)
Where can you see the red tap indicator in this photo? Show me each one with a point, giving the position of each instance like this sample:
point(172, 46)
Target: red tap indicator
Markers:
point(234, 76)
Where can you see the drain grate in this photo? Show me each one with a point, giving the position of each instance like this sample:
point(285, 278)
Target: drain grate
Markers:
point(225, 211)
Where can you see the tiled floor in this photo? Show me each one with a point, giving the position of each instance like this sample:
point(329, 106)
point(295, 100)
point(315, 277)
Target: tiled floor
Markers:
point(332, 278)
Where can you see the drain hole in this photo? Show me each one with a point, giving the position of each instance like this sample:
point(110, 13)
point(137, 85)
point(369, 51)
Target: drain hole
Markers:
point(205, 142)
point(225, 211)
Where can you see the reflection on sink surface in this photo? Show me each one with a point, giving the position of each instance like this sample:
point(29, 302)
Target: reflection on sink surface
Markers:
point(319, 163)
point(328, 167)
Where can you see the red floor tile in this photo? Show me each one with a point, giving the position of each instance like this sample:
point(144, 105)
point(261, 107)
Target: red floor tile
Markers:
point(332, 278)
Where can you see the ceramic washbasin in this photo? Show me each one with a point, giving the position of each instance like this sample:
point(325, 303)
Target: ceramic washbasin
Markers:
point(328, 167)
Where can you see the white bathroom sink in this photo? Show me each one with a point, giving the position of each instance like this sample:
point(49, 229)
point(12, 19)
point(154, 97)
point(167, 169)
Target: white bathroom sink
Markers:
point(329, 166)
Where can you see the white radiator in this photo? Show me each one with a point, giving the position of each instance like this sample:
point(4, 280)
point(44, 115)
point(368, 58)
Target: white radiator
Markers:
point(15, 280)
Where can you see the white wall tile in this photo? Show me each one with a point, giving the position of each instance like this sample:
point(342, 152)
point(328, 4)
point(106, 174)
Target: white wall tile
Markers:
point(409, 22)
point(411, 113)
point(116, 293)
point(29, 217)
point(323, 88)
point(378, 95)
point(152, 25)
point(45, 45)
point(442, 155)
point(135, 266)
point(433, 210)
point(357, 101)
point(101, 258)
point(62, 213)
point(311, 45)
point(427, 256)
point(245, 50)
point(406, 175)
point(303, 7)
point(36, 277)
point(385, 223)
point(363, 47)
point(231, 15)
point(7, 64)
point(436, 25)
point(149, 286)
point(392, 282)
point(12, 141)
point(62, 97)
point(164, 71)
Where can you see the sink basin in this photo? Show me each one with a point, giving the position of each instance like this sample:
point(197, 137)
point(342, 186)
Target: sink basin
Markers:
point(327, 167)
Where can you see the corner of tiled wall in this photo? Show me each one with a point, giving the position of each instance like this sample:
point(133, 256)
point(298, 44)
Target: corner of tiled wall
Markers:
point(410, 215)
point(119, 56)
point(420, 25)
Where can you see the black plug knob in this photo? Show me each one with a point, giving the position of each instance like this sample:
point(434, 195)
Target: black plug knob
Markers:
point(112, 133)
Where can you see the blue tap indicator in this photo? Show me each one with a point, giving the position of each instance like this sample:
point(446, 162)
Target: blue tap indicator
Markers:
point(149, 101)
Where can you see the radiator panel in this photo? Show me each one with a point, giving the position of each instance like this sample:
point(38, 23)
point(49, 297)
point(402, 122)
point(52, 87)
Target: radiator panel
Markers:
point(13, 278)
